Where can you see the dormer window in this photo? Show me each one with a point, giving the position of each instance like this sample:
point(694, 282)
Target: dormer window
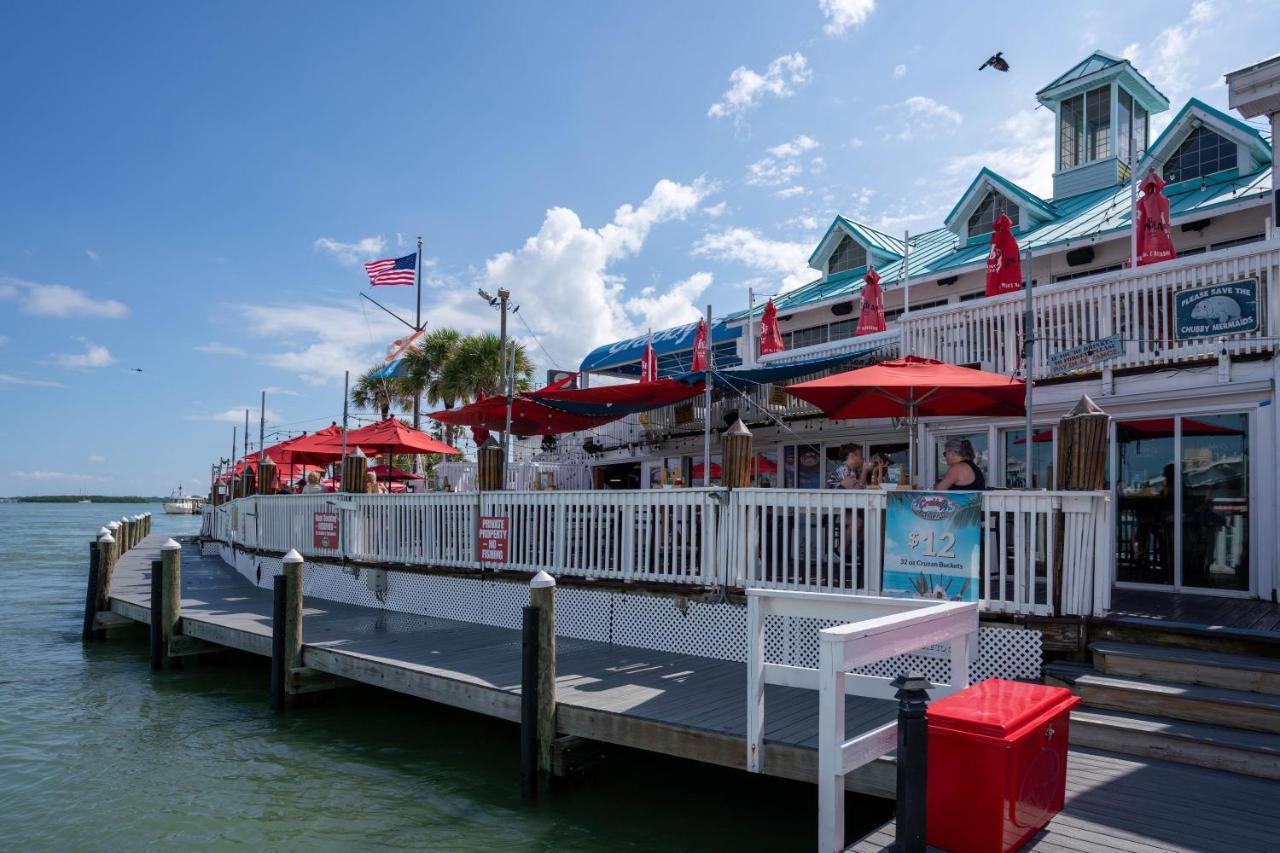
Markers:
point(847, 256)
point(983, 220)
point(1084, 129)
point(1133, 127)
point(1203, 153)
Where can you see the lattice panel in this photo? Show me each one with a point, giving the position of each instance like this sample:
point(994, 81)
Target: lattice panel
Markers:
point(697, 628)
point(586, 614)
point(1009, 653)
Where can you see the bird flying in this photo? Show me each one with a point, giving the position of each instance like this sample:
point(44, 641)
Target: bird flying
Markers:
point(997, 62)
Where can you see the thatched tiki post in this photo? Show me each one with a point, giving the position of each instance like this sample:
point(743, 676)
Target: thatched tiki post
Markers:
point(490, 466)
point(1084, 438)
point(267, 477)
point(735, 455)
point(354, 467)
point(248, 482)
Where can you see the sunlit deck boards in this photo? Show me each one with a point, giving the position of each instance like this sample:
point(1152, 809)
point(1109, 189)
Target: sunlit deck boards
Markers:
point(1119, 803)
point(676, 704)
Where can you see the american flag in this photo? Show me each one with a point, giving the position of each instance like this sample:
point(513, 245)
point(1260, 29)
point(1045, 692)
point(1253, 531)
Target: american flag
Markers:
point(392, 270)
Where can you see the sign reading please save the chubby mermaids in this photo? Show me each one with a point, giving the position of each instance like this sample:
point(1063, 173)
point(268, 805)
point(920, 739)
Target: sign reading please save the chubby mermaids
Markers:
point(933, 545)
point(1220, 309)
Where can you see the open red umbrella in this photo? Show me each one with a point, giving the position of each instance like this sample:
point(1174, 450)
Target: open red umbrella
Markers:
point(389, 436)
point(1152, 428)
point(871, 314)
point(910, 387)
point(762, 465)
point(383, 472)
point(310, 449)
point(696, 472)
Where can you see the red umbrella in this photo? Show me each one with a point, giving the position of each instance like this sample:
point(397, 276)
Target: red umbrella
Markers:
point(1004, 267)
point(1154, 242)
point(1152, 428)
point(770, 335)
point(312, 449)
point(383, 472)
point(912, 386)
point(697, 471)
point(388, 436)
point(698, 360)
point(762, 465)
point(871, 315)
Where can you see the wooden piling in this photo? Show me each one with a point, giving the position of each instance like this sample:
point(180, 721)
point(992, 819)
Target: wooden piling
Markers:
point(292, 650)
point(170, 594)
point(489, 466)
point(157, 615)
point(91, 593)
point(278, 674)
point(542, 595)
point(529, 704)
point(354, 467)
point(1084, 438)
point(267, 477)
point(106, 564)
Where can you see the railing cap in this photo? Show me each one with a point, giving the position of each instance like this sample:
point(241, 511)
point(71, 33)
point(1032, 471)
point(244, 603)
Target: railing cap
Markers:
point(293, 557)
point(542, 580)
point(107, 539)
point(113, 525)
point(102, 531)
point(170, 544)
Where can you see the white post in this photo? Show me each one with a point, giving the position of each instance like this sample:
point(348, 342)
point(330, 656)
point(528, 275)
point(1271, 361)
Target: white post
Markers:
point(830, 745)
point(755, 684)
point(906, 272)
point(752, 354)
point(1030, 334)
point(706, 412)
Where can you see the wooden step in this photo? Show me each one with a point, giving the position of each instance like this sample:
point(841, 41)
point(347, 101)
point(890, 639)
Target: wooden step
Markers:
point(1235, 708)
point(1188, 666)
point(1198, 744)
point(1133, 629)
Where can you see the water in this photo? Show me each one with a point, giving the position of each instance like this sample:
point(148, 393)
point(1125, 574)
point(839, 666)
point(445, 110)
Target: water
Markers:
point(97, 752)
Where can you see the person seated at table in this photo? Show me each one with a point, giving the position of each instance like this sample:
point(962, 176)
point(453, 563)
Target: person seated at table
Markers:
point(962, 474)
point(852, 472)
point(313, 486)
point(372, 486)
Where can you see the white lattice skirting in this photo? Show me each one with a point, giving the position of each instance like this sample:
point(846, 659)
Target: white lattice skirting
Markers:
point(703, 629)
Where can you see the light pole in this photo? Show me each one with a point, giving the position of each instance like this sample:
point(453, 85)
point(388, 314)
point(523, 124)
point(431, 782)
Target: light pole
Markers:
point(500, 302)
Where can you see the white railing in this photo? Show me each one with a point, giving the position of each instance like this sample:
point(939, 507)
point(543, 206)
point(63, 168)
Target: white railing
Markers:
point(1138, 306)
point(519, 476)
point(874, 629)
point(784, 539)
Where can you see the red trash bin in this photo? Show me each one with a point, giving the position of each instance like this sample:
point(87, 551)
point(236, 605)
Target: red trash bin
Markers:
point(997, 764)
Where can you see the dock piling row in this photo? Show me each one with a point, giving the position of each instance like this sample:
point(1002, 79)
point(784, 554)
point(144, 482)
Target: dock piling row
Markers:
point(113, 540)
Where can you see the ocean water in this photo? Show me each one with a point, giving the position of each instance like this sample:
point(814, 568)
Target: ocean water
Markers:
point(99, 753)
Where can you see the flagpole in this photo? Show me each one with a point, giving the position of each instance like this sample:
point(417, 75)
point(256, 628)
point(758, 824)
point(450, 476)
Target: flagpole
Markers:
point(262, 435)
point(417, 394)
point(706, 408)
point(906, 272)
point(246, 437)
point(751, 327)
point(1133, 210)
point(346, 378)
point(231, 467)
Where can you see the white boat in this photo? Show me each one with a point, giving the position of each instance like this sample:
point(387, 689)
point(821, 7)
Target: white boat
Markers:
point(180, 504)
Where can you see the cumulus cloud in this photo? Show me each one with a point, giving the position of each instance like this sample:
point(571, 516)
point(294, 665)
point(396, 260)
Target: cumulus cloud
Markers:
point(899, 71)
point(677, 305)
point(234, 415)
point(94, 355)
point(918, 116)
point(319, 342)
point(364, 249)
point(791, 192)
point(10, 379)
point(844, 15)
point(1171, 59)
point(786, 261)
point(783, 165)
point(1026, 158)
point(748, 88)
point(54, 475)
point(769, 172)
point(58, 300)
point(802, 144)
point(219, 348)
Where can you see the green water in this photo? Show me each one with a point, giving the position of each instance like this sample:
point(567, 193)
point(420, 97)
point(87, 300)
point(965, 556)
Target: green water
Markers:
point(99, 753)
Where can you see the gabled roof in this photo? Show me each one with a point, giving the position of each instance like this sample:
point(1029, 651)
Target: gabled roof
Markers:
point(1100, 67)
point(987, 178)
point(873, 241)
point(1226, 124)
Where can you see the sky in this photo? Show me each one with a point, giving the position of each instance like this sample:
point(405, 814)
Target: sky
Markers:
point(187, 191)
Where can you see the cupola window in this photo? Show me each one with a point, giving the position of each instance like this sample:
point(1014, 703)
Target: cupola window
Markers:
point(1133, 127)
point(847, 256)
point(1084, 131)
point(1203, 153)
point(983, 220)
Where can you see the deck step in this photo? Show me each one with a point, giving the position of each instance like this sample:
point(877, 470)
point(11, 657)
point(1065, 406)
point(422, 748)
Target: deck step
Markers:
point(1198, 744)
point(1188, 666)
point(1195, 703)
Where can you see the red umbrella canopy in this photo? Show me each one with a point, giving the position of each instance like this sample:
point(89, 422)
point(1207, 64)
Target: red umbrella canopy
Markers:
point(871, 315)
point(389, 436)
point(310, 449)
point(696, 472)
point(911, 387)
point(383, 472)
point(527, 417)
point(762, 465)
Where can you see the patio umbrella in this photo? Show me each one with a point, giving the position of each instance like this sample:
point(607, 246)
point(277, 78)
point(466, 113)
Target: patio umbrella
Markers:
point(386, 436)
point(383, 472)
point(770, 335)
point(910, 387)
point(871, 314)
point(1154, 242)
point(699, 355)
point(762, 465)
point(1152, 428)
point(696, 472)
point(1004, 267)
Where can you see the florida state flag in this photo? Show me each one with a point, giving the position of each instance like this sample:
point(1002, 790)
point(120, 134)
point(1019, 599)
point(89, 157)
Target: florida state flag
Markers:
point(871, 315)
point(1004, 267)
point(1154, 241)
point(699, 361)
point(770, 336)
point(649, 362)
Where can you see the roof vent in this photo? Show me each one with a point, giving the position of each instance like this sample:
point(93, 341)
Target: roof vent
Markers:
point(948, 281)
point(841, 309)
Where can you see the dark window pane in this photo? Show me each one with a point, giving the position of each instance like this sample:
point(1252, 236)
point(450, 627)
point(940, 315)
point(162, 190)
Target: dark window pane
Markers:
point(1202, 153)
point(1144, 501)
point(1071, 131)
point(848, 255)
point(1215, 501)
point(983, 219)
point(1098, 123)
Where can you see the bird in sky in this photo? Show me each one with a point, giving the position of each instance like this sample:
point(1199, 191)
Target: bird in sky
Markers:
point(997, 62)
point(136, 369)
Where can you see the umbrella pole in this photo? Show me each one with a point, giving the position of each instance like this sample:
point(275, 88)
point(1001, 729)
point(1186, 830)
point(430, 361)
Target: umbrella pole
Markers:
point(1029, 334)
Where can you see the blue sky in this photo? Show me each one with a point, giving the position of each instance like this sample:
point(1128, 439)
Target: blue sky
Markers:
point(189, 189)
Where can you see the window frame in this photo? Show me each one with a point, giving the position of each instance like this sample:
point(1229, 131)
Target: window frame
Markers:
point(846, 240)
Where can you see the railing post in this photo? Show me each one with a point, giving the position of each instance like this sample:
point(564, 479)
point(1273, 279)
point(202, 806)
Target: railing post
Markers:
point(913, 758)
point(171, 593)
point(286, 629)
point(830, 745)
point(755, 683)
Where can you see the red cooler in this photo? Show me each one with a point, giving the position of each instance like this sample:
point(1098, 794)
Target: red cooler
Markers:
point(997, 764)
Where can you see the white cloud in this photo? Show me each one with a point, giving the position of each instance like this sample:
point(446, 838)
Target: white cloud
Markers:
point(58, 300)
point(283, 392)
point(234, 416)
point(855, 142)
point(843, 15)
point(94, 355)
point(802, 144)
point(219, 348)
point(817, 164)
point(678, 305)
point(768, 172)
point(791, 192)
point(1172, 57)
point(10, 379)
point(53, 475)
point(319, 342)
point(715, 210)
point(364, 249)
point(782, 166)
point(788, 261)
point(93, 256)
point(97, 457)
point(3, 340)
point(748, 88)
point(899, 71)
point(918, 116)
point(1026, 159)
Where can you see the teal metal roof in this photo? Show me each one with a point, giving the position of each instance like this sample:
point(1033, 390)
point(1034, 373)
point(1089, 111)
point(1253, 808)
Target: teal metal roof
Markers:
point(870, 238)
point(1100, 61)
point(1261, 149)
point(1044, 209)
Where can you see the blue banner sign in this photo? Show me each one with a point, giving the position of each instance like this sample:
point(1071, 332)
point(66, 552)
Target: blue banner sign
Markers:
point(1086, 355)
point(1221, 309)
point(933, 545)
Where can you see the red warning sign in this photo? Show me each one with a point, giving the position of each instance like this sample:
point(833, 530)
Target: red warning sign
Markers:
point(493, 538)
point(324, 530)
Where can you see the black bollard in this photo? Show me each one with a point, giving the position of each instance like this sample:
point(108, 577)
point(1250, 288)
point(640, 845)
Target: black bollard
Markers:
point(278, 607)
point(529, 705)
point(157, 611)
point(913, 760)
point(91, 595)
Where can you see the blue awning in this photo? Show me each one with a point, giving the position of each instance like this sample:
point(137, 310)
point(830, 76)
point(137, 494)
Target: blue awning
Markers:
point(747, 378)
point(672, 346)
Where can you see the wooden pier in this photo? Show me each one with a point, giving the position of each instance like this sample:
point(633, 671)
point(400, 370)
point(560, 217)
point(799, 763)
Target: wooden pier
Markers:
point(680, 705)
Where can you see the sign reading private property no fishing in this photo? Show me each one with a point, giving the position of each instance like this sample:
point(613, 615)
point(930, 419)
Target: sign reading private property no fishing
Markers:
point(324, 530)
point(1220, 309)
point(494, 538)
point(933, 545)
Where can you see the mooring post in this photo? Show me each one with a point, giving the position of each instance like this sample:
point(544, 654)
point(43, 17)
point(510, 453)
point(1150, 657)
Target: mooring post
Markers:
point(126, 534)
point(91, 593)
point(913, 760)
point(292, 651)
point(106, 565)
point(278, 674)
point(529, 704)
point(170, 593)
point(542, 595)
point(156, 632)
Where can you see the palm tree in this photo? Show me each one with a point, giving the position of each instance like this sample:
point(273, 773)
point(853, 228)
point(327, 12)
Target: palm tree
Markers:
point(475, 368)
point(424, 365)
point(375, 393)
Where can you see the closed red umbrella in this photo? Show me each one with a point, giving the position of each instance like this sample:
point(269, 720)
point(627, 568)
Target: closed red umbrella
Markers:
point(1004, 266)
point(871, 315)
point(699, 359)
point(1154, 241)
point(770, 335)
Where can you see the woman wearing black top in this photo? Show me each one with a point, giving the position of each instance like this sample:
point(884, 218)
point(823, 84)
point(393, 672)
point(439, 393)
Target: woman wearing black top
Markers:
point(962, 474)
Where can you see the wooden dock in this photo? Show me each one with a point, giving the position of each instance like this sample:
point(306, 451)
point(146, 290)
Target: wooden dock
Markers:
point(681, 705)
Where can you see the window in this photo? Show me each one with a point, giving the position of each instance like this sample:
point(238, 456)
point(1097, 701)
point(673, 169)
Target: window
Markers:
point(894, 314)
point(842, 329)
point(1082, 273)
point(848, 255)
point(808, 337)
point(1203, 153)
point(983, 220)
point(1015, 459)
point(1084, 128)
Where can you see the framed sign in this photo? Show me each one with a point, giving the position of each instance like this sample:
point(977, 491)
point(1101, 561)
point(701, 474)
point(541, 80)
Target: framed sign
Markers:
point(933, 545)
point(1086, 355)
point(494, 538)
point(1220, 309)
point(324, 530)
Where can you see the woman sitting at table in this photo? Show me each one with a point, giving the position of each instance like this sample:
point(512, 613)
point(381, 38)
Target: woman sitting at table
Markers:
point(962, 474)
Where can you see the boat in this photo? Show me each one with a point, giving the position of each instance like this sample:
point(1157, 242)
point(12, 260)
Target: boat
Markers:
point(180, 504)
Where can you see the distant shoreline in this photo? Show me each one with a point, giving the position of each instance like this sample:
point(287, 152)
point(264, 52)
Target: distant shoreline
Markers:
point(74, 499)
